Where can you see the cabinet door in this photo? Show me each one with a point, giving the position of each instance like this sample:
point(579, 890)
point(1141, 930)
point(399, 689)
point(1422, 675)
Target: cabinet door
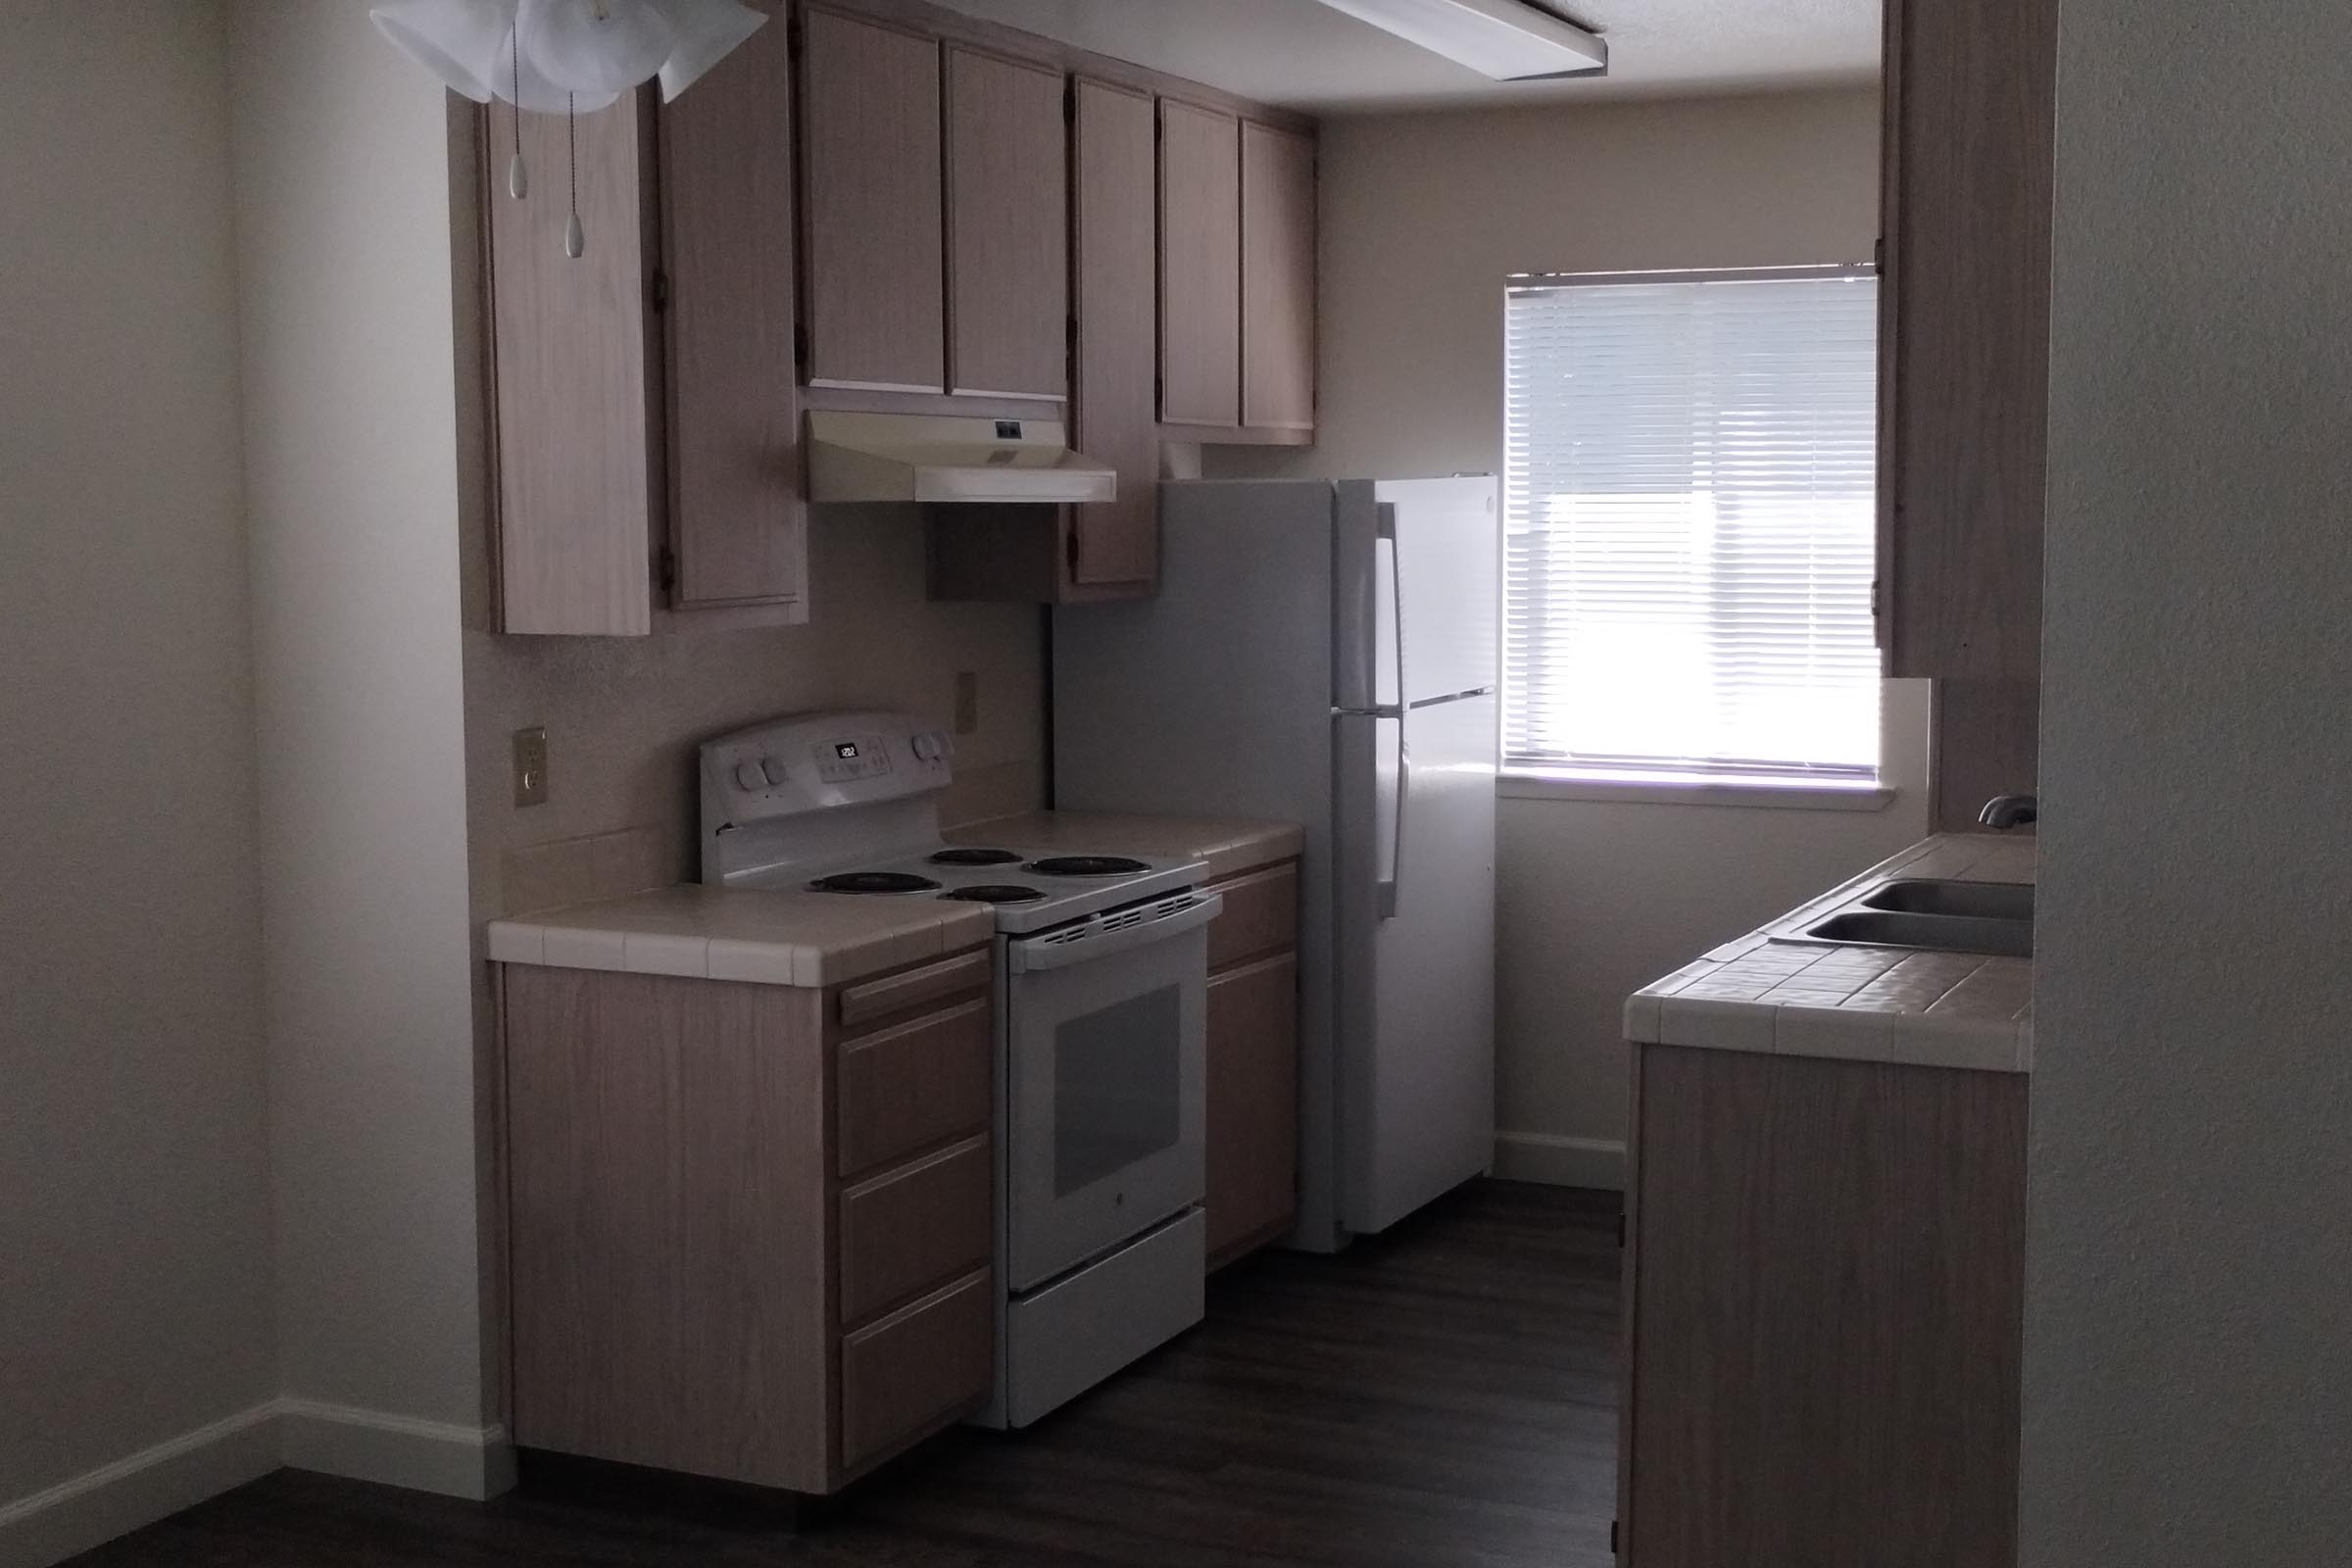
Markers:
point(1199, 265)
point(578, 438)
point(1115, 541)
point(1008, 252)
point(1252, 1112)
point(1278, 280)
point(737, 530)
point(870, 206)
point(1964, 335)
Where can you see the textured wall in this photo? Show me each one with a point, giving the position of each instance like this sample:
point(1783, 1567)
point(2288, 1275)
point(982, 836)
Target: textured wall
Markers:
point(343, 243)
point(135, 1240)
point(1423, 218)
point(2188, 1369)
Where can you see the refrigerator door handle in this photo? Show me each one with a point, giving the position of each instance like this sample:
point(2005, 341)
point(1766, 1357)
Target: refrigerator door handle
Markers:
point(1386, 892)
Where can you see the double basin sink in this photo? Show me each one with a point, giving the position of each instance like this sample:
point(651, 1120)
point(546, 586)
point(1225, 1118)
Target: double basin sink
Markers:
point(1996, 918)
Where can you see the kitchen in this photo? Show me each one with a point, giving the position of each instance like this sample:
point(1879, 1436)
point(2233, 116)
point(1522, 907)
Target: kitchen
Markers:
point(365, 1212)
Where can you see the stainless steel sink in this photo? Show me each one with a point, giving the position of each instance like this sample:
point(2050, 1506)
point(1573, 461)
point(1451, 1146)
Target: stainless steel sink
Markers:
point(1983, 901)
point(1996, 918)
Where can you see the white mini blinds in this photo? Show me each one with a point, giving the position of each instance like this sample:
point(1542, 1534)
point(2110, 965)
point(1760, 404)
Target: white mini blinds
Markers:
point(1689, 522)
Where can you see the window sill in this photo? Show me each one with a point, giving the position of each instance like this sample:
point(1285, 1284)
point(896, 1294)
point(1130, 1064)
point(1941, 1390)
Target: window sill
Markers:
point(1796, 795)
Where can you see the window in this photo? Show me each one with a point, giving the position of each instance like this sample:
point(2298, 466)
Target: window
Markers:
point(1689, 526)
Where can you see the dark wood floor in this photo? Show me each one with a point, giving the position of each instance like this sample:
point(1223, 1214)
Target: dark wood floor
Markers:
point(1442, 1395)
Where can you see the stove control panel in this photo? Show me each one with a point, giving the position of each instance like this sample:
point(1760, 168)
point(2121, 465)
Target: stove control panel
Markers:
point(845, 759)
point(791, 765)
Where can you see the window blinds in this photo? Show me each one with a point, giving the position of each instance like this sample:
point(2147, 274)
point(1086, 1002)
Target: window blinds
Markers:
point(1689, 526)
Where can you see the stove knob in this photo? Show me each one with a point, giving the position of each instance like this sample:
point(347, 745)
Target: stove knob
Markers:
point(748, 775)
point(772, 769)
point(929, 747)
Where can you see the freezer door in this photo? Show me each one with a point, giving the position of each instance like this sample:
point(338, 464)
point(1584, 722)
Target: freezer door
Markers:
point(1437, 586)
point(1414, 896)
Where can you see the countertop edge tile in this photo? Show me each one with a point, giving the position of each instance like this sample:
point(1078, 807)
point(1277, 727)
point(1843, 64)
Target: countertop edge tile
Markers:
point(1925, 1008)
point(516, 941)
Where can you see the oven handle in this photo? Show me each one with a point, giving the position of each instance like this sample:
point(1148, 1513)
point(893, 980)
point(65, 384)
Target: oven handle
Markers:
point(1033, 957)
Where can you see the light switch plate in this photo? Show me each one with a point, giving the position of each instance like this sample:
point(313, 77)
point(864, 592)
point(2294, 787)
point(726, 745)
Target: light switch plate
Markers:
point(967, 700)
point(530, 766)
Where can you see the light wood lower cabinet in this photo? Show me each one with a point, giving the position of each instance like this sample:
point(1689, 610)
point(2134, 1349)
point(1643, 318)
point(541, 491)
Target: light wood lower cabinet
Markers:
point(1824, 1310)
point(1253, 1105)
point(744, 1239)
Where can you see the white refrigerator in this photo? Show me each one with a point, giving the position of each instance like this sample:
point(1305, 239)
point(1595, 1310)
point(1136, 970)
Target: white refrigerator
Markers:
point(1327, 653)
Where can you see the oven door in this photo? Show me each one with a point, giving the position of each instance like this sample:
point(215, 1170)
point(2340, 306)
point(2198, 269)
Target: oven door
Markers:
point(1107, 1046)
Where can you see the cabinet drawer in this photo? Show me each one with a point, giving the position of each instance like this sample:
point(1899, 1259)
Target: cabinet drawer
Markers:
point(1261, 916)
point(869, 1000)
point(915, 1227)
point(906, 1088)
point(917, 1369)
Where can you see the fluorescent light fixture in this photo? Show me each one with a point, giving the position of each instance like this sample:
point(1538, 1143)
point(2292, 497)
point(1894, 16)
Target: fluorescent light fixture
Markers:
point(1508, 40)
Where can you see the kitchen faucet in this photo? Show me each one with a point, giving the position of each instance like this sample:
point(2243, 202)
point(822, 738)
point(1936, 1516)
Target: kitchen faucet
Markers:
point(2006, 811)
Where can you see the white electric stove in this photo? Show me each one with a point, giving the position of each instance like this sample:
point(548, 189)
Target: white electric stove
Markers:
point(1101, 999)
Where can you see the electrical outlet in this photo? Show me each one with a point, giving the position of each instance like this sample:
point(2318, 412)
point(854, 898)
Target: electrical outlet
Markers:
point(530, 766)
point(967, 700)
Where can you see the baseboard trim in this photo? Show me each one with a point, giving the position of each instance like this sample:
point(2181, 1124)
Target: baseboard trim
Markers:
point(114, 1499)
point(397, 1450)
point(1558, 1161)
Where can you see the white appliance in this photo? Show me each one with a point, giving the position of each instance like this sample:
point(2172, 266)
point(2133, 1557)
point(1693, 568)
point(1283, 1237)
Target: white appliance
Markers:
point(1101, 981)
point(1327, 655)
point(929, 456)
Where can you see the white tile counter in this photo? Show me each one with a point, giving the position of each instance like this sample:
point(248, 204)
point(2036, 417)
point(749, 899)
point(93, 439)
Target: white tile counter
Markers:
point(780, 938)
point(1767, 992)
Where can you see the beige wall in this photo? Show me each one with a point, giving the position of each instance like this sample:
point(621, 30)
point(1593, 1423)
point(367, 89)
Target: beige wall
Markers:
point(2188, 1321)
point(1423, 216)
point(343, 245)
point(134, 1217)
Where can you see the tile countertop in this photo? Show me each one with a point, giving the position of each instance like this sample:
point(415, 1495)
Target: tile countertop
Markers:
point(821, 939)
point(1766, 993)
point(1229, 844)
point(779, 939)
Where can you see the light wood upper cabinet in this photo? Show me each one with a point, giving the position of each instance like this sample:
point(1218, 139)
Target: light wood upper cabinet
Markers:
point(1199, 265)
point(737, 523)
point(1009, 250)
point(1278, 280)
point(647, 434)
point(1115, 542)
point(576, 366)
point(872, 248)
point(1964, 335)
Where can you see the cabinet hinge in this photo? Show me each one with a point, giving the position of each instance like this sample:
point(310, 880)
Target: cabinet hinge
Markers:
point(792, 34)
point(1612, 1537)
point(1878, 255)
point(1069, 100)
point(666, 569)
point(1875, 611)
point(1620, 1230)
point(800, 352)
point(660, 289)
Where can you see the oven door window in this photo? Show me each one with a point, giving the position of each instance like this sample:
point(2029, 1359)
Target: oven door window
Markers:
point(1106, 1078)
point(1119, 1088)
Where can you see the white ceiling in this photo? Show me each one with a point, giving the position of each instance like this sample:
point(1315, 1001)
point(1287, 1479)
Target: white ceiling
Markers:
point(1304, 54)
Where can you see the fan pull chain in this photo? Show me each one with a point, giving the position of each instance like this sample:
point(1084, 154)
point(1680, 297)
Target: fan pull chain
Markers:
point(518, 178)
point(575, 238)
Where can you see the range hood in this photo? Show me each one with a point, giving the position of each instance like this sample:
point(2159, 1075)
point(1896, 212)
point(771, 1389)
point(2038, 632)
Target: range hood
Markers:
point(921, 457)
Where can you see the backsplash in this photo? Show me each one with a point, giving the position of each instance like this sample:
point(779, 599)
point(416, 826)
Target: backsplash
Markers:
point(623, 717)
